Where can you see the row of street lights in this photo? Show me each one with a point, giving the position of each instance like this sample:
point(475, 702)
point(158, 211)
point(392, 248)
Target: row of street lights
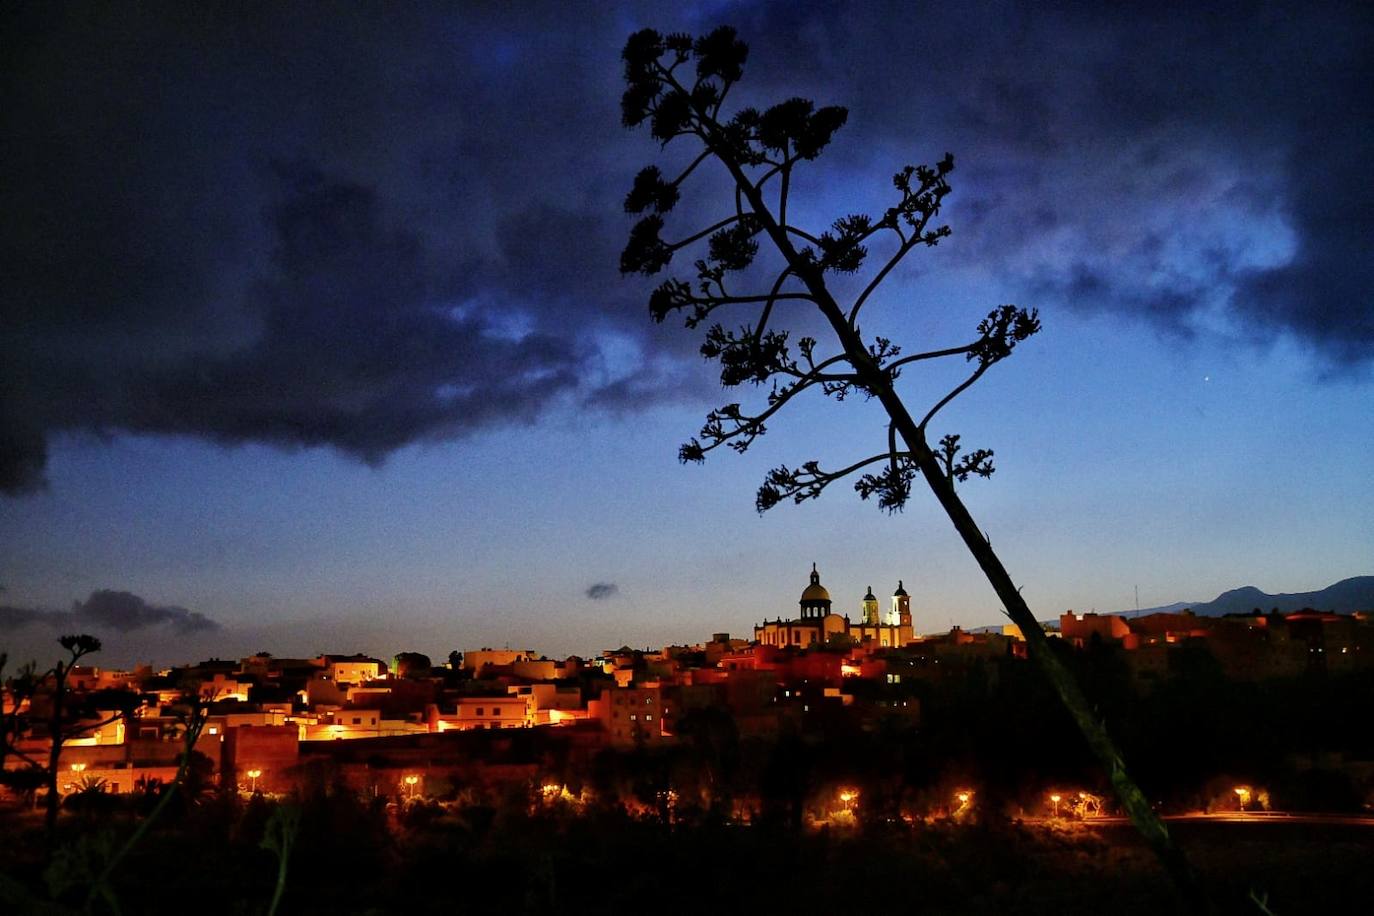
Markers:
point(253, 774)
point(963, 796)
point(411, 781)
point(847, 796)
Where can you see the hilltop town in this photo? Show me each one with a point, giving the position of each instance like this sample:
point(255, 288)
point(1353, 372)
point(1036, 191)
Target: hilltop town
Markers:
point(401, 727)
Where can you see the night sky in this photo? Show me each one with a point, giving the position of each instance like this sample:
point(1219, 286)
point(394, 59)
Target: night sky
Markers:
point(313, 338)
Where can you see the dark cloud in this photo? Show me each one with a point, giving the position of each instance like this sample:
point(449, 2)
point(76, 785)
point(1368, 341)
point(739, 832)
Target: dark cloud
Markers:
point(360, 231)
point(356, 351)
point(106, 610)
point(1325, 295)
point(601, 591)
point(1160, 161)
point(365, 227)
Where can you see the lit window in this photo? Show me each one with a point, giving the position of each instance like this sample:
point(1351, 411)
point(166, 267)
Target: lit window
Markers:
point(648, 717)
point(633, 717)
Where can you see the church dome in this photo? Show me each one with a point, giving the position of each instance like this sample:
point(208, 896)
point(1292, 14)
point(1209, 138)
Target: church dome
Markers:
point(815, 591)
point(900, 592)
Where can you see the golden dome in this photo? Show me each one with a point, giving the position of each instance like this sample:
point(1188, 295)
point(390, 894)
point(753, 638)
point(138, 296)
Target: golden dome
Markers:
point(815, 591)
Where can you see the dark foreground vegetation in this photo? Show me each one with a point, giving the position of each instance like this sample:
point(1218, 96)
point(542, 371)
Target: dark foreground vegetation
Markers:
point(521, 855)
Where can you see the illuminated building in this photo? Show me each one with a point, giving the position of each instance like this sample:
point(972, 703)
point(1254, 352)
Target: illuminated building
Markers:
point(511, 711)
point(353, 669)
point(477, 659)
point(891, 629)
point(631, 715)
point(817, 625)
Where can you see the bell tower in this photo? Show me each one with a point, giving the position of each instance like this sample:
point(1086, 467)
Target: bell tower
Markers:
point(901, 606)
point(870, 609)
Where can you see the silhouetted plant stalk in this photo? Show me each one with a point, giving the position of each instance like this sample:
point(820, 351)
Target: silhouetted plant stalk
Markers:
point(279, 836)
point(77, 646)
point(759, 151)
point(20, 690)
point(193, 721)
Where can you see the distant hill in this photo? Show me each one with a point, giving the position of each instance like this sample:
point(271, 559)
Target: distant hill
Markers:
point(1355, 594)
point(1162, 609)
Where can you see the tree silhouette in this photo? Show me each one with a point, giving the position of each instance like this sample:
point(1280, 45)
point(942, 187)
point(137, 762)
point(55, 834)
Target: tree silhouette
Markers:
point(678, 86)
point(413, 665)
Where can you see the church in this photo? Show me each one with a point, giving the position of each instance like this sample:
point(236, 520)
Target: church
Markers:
point(817, 625)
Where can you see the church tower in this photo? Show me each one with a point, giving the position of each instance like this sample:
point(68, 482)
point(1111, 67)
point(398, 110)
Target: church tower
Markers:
point(870, 609)
point(901, 607)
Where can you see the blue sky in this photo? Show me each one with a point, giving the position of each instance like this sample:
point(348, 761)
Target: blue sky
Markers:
point(318, 332)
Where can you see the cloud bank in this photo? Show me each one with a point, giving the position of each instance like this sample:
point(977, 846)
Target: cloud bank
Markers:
point(369, 227)
point(107, 610)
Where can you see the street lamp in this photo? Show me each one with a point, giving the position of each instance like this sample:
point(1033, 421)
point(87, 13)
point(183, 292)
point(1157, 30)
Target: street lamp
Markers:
point(1054, 798)
point(253, 774)
point(1243, 794)
point(77, 769)
point(411, 782)
point(847, 796)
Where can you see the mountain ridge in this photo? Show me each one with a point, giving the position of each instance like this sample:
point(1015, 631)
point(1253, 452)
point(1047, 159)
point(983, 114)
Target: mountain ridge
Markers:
point(1353, 594)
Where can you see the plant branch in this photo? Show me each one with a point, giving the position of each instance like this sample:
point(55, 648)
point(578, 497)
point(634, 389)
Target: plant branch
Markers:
point(697, 236)
point(976, 374)
point(879, 277)
point(807, 482)
point(705, 154)
point(930, 354)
